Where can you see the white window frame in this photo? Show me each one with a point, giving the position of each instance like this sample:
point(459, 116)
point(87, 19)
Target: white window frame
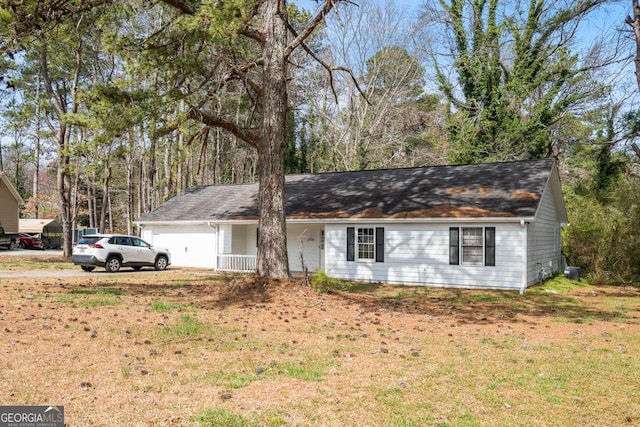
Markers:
point(474, 244)
point(362, 245)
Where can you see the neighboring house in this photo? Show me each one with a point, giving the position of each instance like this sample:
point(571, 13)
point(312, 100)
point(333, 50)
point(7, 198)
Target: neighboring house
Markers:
point(490, 226)
point(10, 202)
point(49, 230)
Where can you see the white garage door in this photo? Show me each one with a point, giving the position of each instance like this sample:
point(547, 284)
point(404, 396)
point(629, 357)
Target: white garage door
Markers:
point(190, 246)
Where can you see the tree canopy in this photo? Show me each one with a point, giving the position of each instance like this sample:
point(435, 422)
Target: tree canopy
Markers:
point(516, 75)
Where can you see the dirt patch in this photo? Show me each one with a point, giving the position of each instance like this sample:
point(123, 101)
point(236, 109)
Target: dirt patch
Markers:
point(184, 348)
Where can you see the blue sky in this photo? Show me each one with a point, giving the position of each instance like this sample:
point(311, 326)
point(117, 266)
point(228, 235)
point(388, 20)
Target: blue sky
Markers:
point(608, 17)
point(605, 22)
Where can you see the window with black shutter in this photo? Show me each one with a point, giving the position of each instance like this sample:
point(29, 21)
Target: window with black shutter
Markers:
point(454, 246)
point(365, 243)
point(380, 244)
point(490, 246)
point(474, 242)
point(351, 243)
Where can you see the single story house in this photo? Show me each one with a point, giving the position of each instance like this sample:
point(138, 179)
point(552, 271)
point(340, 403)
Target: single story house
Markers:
point(10, 202)
point(489, 226)
point(49, 230)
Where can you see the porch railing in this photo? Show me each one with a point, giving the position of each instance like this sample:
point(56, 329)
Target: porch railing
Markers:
point(238, 263)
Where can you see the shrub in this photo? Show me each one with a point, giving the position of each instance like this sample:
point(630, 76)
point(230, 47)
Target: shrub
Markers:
point(604, 236)
point(325, 284)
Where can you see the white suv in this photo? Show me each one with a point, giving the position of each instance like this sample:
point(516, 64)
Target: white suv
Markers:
point(113, 251)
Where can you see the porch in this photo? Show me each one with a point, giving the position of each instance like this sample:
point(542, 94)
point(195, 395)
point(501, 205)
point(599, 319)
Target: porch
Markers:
point(238, 244)
point(237, 263)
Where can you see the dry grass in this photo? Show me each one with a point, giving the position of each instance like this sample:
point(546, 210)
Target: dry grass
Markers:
point(187, 348)
point(34, 260)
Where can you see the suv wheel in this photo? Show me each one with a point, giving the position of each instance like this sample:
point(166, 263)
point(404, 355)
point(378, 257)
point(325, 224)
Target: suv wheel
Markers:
point(113, 264)
point(161, 263)
point(87, 268)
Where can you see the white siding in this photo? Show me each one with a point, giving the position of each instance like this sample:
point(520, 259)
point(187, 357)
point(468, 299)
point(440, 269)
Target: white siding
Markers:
point(239, 240)
point(543, 246)
point(190, 245)
point(249, 243)
point(419, 254)
point(147, 234)
point(224, 239)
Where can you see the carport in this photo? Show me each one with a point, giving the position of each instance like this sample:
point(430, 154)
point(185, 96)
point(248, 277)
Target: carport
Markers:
point(50, 230)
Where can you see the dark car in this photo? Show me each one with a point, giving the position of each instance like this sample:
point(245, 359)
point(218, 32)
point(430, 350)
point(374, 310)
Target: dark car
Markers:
point(27, 241)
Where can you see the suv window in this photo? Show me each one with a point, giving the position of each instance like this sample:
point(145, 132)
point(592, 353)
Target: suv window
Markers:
point(139, 242)
point(88, 240)
point(120, 240)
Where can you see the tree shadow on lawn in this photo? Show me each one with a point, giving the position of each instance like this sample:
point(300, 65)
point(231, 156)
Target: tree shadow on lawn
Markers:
point(581, 305)
point(485, 307)
point(207, 291)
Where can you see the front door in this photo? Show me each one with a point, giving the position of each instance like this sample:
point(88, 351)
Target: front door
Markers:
point(321, 240)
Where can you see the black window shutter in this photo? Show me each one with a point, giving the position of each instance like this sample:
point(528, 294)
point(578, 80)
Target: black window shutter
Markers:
point(257, 237)
point(379, 244)
point(351, 243)
point(454, 246)
point(490, 246)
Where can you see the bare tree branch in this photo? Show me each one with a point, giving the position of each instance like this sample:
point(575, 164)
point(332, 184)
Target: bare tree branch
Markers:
point(252, 34)
point(240, 71)
point(330, 69)
point(248, 136)
point(246, 29)
point(313, 24)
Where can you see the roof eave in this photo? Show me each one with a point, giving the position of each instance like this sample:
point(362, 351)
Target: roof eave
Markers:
point(414, 220)
point(556, 187)
point(513, 219)
point(195, 222)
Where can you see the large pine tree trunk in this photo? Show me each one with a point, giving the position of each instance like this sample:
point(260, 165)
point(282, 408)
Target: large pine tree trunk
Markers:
point(62, 135)
point(64, 194)
point(36, 153)
point(272, 249)
point(105, 196)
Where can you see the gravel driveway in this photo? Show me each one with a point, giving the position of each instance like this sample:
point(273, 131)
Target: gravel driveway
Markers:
point(71, 272)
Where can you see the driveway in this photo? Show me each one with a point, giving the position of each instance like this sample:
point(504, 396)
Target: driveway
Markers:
point(71, 272)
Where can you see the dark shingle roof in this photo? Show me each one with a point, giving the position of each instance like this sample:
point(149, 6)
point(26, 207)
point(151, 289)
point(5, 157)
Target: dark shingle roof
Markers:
point(511, 189)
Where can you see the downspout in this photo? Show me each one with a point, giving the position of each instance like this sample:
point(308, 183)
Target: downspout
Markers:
point(525, 257)
point(216, 246)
